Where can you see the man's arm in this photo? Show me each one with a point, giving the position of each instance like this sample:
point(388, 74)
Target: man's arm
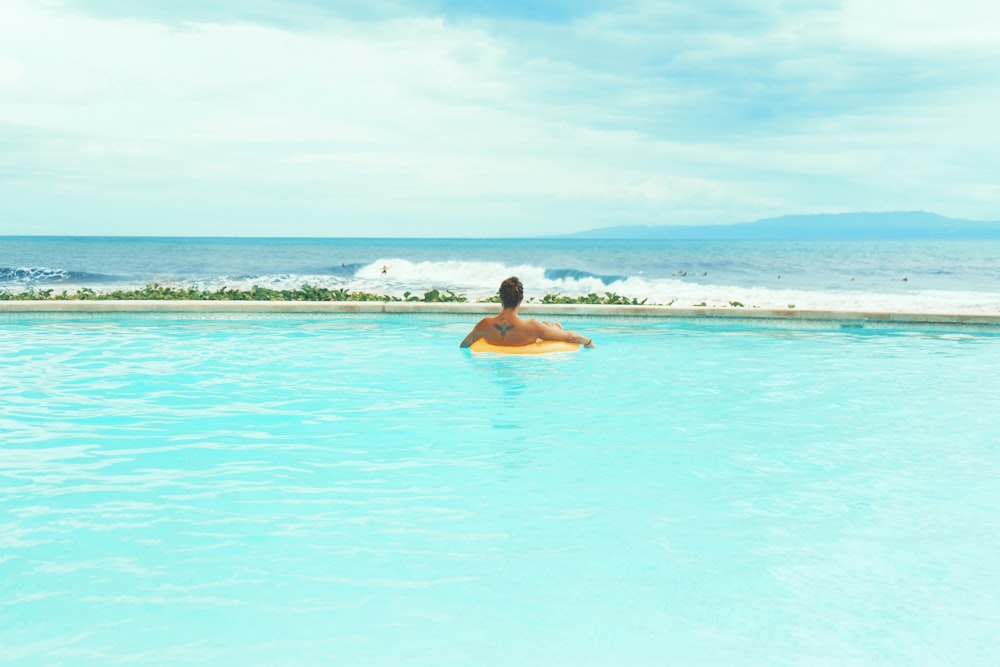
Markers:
point(473, 336)
point(547, 331)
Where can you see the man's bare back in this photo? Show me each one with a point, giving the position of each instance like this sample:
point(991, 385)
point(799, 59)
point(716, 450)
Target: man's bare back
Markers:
point(509, 328)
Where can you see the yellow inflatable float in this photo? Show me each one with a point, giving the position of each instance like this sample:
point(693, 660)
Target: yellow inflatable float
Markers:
point(539, 347)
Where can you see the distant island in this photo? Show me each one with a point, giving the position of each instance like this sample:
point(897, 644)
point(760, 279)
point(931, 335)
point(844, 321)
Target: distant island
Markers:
point(900, 225)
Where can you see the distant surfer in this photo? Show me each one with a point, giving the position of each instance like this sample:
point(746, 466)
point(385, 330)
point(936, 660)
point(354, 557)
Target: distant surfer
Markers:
point(510, 329)
point(385, 269)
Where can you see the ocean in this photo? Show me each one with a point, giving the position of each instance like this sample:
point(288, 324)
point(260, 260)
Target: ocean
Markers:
point(926, 276)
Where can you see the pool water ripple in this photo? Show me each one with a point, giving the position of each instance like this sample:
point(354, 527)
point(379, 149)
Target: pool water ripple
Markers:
point(307, 491)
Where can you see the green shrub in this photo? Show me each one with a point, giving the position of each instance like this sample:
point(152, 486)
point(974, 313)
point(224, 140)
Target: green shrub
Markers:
point(157, 292)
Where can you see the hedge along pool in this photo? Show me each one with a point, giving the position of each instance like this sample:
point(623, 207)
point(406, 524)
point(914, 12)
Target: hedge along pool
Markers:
point(357, 490)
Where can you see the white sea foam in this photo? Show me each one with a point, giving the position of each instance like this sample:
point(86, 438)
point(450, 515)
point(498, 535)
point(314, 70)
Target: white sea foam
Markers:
point(479, 280)
point(30, 275)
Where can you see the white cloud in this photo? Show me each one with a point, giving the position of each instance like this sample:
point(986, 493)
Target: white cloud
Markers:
point(11, 72)
point(921, 26)
point(660, 115)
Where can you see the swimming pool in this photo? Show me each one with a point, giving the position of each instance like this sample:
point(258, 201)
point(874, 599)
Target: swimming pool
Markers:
point(357, 490)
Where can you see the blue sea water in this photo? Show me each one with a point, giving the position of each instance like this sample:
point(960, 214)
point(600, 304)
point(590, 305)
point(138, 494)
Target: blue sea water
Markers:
point(960, 276)
point(356, 490)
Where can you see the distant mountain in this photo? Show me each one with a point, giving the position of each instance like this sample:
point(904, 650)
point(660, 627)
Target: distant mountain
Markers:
point(900, 225)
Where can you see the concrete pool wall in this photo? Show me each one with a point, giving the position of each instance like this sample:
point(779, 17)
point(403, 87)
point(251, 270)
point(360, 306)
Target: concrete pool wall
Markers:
point(480, 309)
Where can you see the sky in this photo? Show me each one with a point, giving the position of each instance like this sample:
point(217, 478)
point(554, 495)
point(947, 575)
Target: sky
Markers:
point(489, 118)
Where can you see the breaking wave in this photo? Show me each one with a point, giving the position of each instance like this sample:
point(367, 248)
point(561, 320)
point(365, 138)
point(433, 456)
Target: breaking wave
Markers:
point(480, 279)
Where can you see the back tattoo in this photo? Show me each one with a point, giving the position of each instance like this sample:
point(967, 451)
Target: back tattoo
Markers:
point(503, 329)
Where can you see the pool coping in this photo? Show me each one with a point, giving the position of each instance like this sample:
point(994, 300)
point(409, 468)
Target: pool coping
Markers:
point(472, 309)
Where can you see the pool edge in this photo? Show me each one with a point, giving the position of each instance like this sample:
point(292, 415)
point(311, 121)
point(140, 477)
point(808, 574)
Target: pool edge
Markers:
point(590, 310)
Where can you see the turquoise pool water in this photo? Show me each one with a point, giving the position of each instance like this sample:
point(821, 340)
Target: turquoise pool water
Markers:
point(357, 490)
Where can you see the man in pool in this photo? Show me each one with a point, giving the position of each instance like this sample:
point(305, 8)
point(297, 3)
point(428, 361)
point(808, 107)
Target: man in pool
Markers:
point(509, 328)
